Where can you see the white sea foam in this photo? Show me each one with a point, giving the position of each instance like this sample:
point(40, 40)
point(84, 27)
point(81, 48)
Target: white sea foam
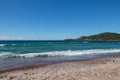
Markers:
point(85, 42)
point(2, 45)
point(60, 53)
point(13, 44)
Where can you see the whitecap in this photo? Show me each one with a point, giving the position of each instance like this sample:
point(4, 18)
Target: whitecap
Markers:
point(60, 53)
point(2, 45)
point(85, 42)
point(13, 44)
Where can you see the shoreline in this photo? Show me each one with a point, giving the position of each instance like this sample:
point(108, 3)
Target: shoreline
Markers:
point(34, 66)
point(106, 68)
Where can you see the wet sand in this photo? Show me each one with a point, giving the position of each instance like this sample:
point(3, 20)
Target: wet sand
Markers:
point(107, 68)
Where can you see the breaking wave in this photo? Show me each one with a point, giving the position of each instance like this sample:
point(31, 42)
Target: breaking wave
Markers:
point(60, 53)
point(2, 45)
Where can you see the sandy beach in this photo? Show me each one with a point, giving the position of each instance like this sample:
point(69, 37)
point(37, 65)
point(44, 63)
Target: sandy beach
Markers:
point(107, 68)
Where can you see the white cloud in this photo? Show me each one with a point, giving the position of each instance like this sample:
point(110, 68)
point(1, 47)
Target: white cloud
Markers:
point(4, 38)
point(10, 38)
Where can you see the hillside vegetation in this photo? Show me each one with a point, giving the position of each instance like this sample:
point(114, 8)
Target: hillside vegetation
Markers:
point(101, 36)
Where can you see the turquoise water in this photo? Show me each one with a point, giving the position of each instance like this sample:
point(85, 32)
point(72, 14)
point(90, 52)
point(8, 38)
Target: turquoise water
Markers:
point(28, 52)
point(55, 48)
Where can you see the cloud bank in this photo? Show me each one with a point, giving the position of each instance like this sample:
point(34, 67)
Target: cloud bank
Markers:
point(10, 38)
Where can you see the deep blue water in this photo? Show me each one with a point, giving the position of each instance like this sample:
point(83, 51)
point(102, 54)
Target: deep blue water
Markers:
point(14, 53)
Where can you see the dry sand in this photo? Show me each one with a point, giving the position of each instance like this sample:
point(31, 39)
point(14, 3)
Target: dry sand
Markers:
point(98, 69)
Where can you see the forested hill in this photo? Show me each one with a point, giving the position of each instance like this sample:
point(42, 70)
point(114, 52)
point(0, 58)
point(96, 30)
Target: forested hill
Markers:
point(101, 36)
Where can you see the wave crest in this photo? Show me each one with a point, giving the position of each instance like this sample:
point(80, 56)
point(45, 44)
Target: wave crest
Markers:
point(2, 45)
point(60, 53)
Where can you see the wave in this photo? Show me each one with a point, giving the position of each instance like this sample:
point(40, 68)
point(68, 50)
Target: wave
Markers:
point(13, 44)
point(2, 45)
point(59, 53)
point(85, 42)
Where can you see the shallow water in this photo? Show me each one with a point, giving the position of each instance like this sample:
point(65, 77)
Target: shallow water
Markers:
point(19, 53)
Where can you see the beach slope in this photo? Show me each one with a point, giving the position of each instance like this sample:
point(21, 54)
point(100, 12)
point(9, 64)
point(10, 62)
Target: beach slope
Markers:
point(97, 69)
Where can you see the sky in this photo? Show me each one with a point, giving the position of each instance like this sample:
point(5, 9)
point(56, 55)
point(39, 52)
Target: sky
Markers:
point(57, 19)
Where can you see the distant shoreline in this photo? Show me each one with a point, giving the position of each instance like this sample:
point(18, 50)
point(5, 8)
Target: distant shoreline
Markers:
point(106, 36)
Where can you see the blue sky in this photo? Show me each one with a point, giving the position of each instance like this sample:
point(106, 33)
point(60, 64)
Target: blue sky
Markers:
point(57, 19)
